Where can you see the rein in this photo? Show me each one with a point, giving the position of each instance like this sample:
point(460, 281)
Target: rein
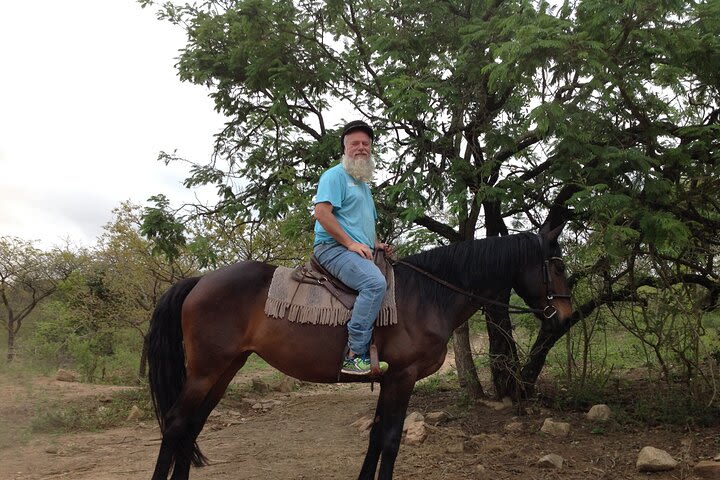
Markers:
point(547, 312)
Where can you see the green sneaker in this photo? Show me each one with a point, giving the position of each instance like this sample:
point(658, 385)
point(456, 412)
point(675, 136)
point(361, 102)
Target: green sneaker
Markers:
point(360, 365)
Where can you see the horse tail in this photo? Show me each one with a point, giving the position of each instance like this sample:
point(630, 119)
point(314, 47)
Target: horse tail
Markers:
point(166, 356)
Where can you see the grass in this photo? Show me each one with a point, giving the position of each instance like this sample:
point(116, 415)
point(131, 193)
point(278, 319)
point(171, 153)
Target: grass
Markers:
point(90, 414)
point(438, 382)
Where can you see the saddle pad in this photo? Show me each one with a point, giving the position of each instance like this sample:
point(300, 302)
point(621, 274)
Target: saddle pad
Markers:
point(309, 303)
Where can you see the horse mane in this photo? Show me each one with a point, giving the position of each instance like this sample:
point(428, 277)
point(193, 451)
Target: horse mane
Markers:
point(471, 264)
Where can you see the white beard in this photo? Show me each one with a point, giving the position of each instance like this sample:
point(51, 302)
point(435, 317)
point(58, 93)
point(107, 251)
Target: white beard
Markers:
point(359, 168)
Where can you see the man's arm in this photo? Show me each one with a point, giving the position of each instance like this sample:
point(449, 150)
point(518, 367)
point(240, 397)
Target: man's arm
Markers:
point(324, 215)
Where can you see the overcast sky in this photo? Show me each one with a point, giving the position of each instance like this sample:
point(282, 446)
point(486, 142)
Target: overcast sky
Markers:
point(88, 98)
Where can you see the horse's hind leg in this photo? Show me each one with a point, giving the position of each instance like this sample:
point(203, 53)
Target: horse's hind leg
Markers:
point(186, 419)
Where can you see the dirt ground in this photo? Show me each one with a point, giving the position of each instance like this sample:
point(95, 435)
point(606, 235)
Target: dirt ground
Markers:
point(307, 434)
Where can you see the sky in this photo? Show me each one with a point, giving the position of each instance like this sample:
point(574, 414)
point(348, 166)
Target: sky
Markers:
point(89, 96)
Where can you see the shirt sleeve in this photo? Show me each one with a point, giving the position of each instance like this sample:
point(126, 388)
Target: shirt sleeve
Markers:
point(330, 189)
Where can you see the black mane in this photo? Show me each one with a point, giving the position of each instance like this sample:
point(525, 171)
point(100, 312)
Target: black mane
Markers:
point(471, 265)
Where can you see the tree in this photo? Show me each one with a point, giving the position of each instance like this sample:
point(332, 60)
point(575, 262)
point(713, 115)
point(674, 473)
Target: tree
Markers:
point(27, 276)
point(134, 275)
point(492, 115)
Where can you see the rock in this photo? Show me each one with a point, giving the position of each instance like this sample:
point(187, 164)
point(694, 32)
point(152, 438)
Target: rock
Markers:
point(480, 471)
point(514, 427)
point(652, 459)
point(507, 402)
point(286, 385)
point(484, 437)
point(435, 418)
point(707, 469)
point(414, 417)
point(555, 429)
point(259, 386)
point(494, 405)
point(51, 450)
point(363, 423)
point(599, 413)
point(456, 447)
point(416, 433)
point(266, 405)
point(551, 461)
point(717, 457)
point(63, 375)
point(134, 414)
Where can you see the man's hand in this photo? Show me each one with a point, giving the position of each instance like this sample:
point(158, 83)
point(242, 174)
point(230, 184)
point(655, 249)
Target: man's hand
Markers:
point(361, 249)
point(384, 246)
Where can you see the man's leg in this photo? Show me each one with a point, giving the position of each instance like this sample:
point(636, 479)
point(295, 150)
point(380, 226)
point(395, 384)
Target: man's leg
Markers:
point(364, 276)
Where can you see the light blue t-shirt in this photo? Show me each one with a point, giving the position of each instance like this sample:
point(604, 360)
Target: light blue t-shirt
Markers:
point(352, 203)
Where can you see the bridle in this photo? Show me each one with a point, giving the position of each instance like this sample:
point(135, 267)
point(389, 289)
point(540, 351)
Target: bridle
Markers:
point(548, 312)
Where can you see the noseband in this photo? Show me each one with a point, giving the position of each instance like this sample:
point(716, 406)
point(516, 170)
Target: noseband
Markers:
point(548, 312)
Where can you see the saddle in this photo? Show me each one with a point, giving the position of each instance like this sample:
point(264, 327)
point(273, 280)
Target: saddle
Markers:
point(314, 273)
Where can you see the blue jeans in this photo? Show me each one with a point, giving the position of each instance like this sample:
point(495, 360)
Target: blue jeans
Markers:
point(364, 276)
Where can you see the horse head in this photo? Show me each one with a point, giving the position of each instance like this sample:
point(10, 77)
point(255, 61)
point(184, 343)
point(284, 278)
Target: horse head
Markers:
point(543, 284)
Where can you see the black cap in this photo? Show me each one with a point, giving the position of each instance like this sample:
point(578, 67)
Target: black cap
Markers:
point(351, 127)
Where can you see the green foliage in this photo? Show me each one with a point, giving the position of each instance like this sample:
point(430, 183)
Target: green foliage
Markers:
point(488, 114)
point(68, 340)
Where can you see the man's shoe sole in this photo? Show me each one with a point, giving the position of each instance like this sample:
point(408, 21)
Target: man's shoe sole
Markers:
point(355, 372)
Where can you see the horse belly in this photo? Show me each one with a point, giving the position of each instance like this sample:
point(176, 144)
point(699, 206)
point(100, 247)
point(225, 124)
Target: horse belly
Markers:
point(307, 352)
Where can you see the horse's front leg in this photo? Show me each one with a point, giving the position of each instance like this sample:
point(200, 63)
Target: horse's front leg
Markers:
point(375, 446)
point(386, 433)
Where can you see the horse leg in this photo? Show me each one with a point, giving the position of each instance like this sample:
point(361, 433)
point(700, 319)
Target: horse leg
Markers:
point(375, 445)
point(387, 432)
point(186, 419)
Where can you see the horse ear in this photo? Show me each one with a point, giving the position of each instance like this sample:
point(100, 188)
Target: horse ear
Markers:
point(553, 234)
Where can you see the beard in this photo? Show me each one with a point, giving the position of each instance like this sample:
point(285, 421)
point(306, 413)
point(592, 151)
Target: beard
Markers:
point(360, 168)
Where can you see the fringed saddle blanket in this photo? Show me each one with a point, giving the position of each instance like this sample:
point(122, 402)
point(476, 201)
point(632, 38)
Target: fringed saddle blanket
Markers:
point(311, 303)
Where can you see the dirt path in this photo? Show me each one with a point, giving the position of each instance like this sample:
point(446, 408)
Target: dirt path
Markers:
point(307, 434)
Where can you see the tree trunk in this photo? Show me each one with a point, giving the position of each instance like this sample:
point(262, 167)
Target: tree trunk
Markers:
point(11, 342)
point(504, 363)
point(467, 373)
point(538, 353)
point(143, 358)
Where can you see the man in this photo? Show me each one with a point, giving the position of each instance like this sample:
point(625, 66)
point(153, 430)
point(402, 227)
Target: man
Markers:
point(345, 238)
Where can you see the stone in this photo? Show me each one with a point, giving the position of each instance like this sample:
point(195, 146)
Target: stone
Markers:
point(259, 386)
point(717, 457)
point(286, 385)
point(599, 413)
point(435, 418)
point(363, 423)
point(134, 414)
point(707, 469)
point(52, 450)
point(507, 402)
point(456, 447)
point(414, 417)
point(494, 405)
point(415, 434)
point(63, 375)
point(514, 427)
point(551, 461)
point(653, 459)
point(555, 429)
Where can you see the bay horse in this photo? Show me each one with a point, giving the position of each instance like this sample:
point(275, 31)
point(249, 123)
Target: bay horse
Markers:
point(204, 328)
